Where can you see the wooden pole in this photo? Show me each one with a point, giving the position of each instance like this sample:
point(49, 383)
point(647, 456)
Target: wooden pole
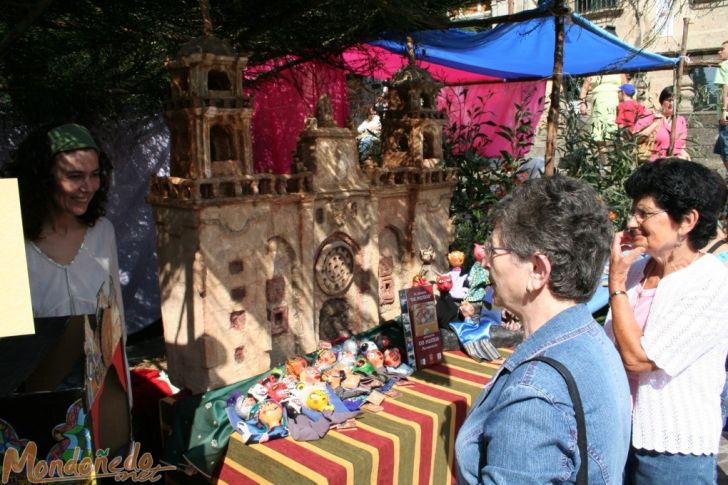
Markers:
point(676, 91)
point(552, 123)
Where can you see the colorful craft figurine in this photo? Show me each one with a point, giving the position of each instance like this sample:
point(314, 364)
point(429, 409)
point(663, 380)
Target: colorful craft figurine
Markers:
point(426, 275)
point(318, 400)
point(418, 280)
point(478, 279)
point(467, 310)
point(456, 260)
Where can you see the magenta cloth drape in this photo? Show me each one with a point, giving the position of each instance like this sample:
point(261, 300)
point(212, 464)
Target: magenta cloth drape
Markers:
point(282, 102)
point(492, 107)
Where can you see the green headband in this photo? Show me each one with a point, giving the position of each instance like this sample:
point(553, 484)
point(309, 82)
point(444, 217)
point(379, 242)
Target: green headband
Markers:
point(66, 138)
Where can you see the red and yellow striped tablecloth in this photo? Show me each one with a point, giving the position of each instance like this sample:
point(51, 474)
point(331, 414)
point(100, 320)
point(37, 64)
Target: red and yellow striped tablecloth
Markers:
point(411, 441)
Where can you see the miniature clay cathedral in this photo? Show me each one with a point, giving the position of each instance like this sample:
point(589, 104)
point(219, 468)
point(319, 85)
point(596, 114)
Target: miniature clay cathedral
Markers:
point(255, 268)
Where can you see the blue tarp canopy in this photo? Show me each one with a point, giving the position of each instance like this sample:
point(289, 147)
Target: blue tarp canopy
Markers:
point(525, 50)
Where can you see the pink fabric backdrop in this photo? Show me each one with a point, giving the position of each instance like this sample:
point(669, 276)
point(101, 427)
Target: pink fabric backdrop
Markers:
point(495, 104)
point(282, 102)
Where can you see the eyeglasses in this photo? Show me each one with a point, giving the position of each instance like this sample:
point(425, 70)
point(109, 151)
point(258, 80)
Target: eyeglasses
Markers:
point(490, 250)
point(642, 215)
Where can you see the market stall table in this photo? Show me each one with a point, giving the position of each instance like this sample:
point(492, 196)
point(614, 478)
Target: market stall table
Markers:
point(411, 440)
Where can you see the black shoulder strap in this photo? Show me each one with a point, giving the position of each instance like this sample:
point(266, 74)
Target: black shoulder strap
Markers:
point(582, 474)
point(716, 246)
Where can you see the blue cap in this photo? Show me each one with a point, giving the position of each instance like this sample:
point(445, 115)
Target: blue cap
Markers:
point(627, 89)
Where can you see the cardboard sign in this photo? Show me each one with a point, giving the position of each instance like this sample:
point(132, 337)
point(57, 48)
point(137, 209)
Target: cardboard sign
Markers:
point(16, 309)
point(419, 319)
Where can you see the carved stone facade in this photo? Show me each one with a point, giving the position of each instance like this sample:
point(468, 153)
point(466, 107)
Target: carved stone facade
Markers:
point(255, 268)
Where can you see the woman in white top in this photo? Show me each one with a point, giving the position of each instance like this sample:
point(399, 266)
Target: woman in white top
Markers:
point(668, 321)
point(64, 179)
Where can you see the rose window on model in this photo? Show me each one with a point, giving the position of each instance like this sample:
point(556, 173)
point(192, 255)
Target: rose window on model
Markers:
point(335, 268)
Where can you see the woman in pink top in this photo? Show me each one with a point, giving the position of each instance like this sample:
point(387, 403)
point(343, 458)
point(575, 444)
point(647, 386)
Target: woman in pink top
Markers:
point(667, 319)
point(658, 126)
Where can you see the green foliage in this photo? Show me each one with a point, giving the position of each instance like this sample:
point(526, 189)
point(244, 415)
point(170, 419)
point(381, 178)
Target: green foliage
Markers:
point(604, 166)
point(483, 181)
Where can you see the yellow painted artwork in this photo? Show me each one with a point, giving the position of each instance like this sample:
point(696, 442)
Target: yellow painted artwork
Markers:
point(16, 310)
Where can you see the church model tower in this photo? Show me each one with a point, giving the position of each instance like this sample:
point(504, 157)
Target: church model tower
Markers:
point(255, 268)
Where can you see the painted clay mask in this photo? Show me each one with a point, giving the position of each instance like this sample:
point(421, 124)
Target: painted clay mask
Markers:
point(310, 376)
point(444, 283)
point(375, 358)
point(318, 400)
point(456, 258)
point(326, 358)
point(270, 414)
point(244, 405)
point(392, 357)
point(295, 365)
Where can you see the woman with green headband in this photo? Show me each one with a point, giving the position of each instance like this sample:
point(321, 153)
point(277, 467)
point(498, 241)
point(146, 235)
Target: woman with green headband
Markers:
point(64, 180)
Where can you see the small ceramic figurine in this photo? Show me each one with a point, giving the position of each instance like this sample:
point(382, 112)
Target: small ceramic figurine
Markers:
point(467, 310)
point(478, 279)
point(427, 256)
point(456, 260)
point(446, 307)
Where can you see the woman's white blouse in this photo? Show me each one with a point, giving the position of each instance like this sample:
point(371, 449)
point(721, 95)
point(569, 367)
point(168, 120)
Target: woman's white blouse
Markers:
point(72, 289)
point(677, 408)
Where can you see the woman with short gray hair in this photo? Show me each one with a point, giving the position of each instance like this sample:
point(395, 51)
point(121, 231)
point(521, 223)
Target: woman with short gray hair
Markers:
point(564, 389)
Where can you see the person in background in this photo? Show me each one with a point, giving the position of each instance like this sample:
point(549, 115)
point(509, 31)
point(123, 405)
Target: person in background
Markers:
point(370, 131)
point(523, 426)
point(667, 320)
point(64, 179)
point(629, 110)
point(658, 126)
point(604, 101)
point(721, 80)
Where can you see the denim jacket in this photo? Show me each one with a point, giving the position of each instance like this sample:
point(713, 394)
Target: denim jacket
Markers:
point(522, 427)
